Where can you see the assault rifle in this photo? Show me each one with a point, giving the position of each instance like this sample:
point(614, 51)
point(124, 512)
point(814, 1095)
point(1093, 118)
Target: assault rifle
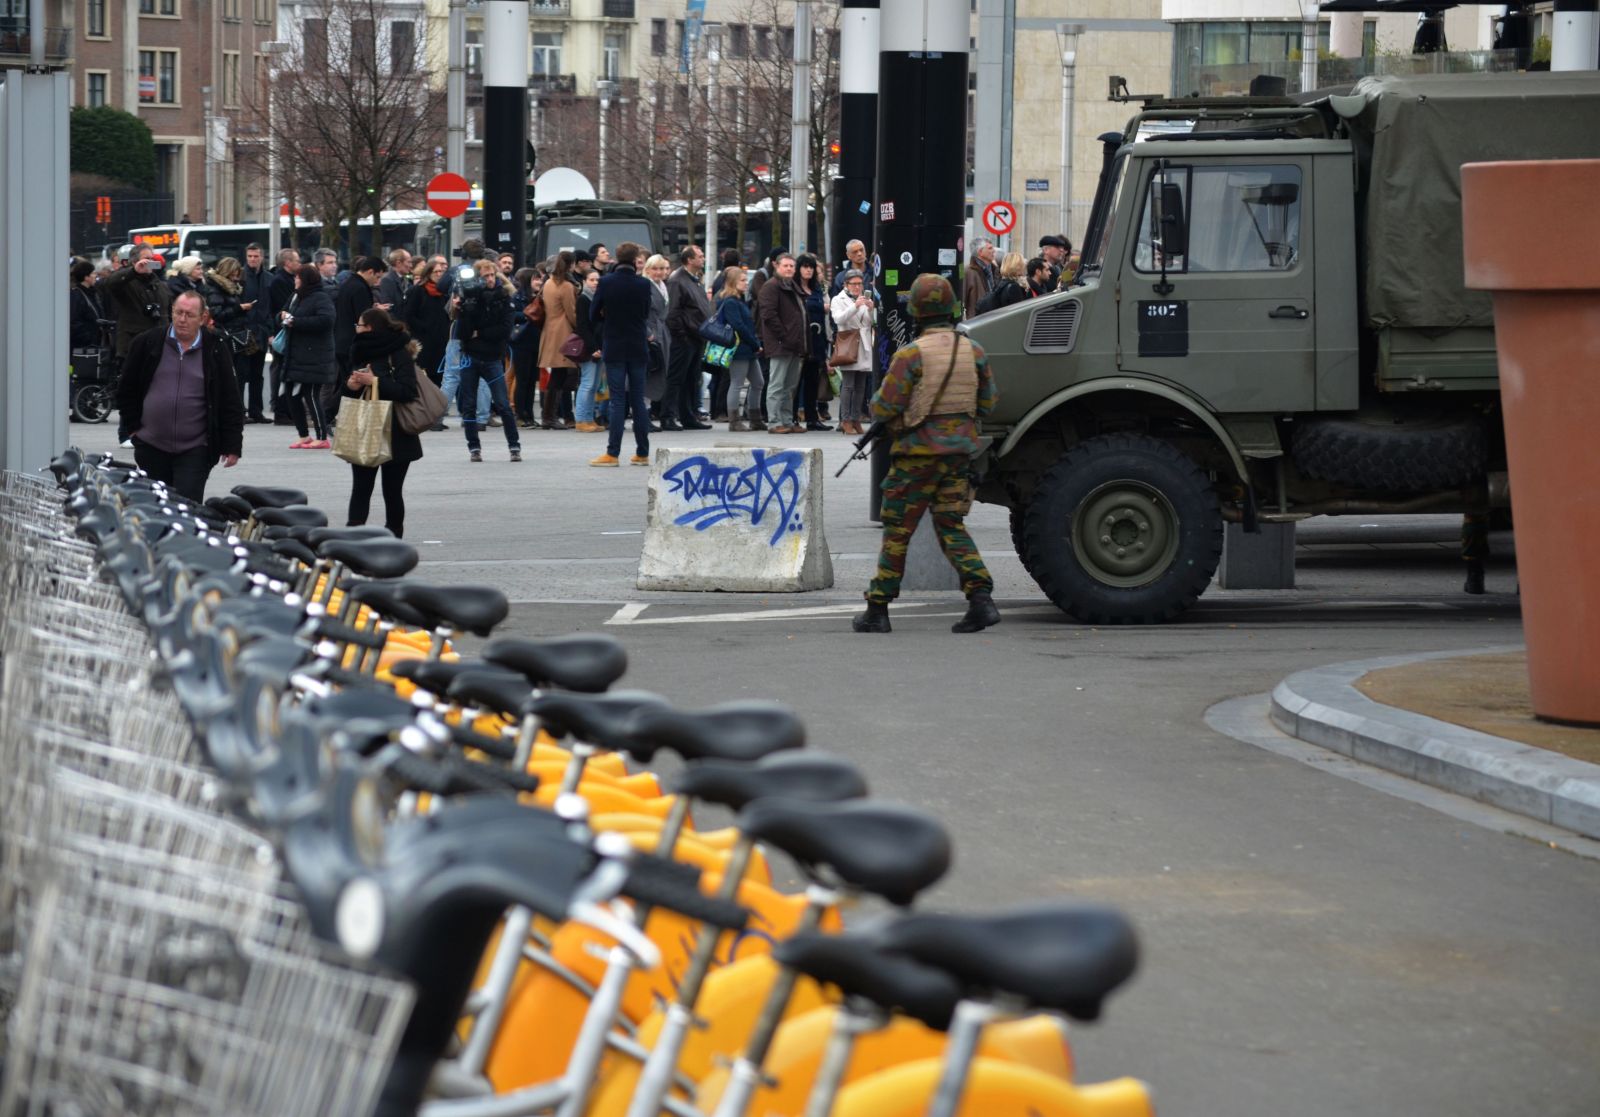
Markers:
point(878, 429)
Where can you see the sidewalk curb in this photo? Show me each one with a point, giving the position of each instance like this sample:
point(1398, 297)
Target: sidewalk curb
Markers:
point(1323, 706)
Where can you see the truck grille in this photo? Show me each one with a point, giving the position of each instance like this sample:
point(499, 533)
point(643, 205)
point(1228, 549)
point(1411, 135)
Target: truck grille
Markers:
point(1053, 328)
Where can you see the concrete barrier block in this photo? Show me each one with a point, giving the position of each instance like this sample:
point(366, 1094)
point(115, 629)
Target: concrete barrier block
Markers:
point(742, 519)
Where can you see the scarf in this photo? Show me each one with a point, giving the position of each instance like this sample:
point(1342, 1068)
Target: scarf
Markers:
point(228, 286)
point(429, 287)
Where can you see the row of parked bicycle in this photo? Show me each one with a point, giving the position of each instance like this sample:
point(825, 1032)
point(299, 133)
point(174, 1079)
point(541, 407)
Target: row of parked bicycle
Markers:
point(274, 847)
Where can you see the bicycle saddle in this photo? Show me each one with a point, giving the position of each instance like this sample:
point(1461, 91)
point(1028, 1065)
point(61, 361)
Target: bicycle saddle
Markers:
point(474, 609)
point(504, 692)
point(882, 848)
point(605, 720)
point(233, 507)
point(367, 717)
point(813, 777)
point(258, 496)
point(742, 731)
point(385, 598)
point(1067, 957)
point(317, 536)
point(292, 515)
point(293, 548)
point(435, 675)
point(857, 966)
point(371, 558)
point(576, 662)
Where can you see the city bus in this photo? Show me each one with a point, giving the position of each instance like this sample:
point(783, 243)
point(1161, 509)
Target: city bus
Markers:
point(412, 229)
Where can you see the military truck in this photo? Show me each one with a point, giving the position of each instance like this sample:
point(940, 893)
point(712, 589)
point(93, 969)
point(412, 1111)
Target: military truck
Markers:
point(578, 224)
point(1269, 322)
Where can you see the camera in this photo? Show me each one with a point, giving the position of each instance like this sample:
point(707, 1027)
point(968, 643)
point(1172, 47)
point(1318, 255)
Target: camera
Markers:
point(468, 281)
point(152, 311)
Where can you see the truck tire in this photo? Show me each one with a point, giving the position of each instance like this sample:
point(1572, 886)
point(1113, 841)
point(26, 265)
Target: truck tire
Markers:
point(1393, 453)
point(1019, 520)
point(1124, 529)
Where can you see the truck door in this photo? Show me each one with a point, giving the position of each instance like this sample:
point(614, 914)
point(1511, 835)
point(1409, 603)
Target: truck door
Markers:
point(1232, 320)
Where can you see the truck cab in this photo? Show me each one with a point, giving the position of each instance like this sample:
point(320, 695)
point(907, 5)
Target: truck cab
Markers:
point(1268, 322)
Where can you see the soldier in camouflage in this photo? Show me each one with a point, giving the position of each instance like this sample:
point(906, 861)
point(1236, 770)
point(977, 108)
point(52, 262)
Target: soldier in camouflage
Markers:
point(936, 390)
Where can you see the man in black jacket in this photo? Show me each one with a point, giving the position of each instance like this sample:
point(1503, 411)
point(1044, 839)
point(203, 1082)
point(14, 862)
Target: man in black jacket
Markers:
point(352, 299)
point(687, 307)
point(180, 400)
point(138, 297)
point(483, 323)
point(256, 301)
point(280, 289)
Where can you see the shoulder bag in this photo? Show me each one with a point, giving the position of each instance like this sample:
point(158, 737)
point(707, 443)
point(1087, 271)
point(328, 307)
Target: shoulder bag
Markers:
point(846, 348)
point(424, 412)
point(575, 348)
point(717, 331)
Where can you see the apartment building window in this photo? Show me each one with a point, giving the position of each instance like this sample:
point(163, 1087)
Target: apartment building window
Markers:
point(230, 79)
point(230, 10)
point(158, 77)
point(261, 10)
point(474, 61)
point(314, 43)
point(94, 88)
point(786, 42)
point(680, 40)
point(833, 43)
point(738, 40)
point(611, 62)
point(158, 7)
point(546, 53)
point(94, 20)
point(363, 46)
point(763, 42)
point(402, 46)
point(658, 37)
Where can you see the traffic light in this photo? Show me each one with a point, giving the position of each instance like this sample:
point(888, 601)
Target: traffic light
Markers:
point(833, 149)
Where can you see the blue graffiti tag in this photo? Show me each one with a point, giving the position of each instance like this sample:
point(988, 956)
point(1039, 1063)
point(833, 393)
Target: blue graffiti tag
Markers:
point(725, 492)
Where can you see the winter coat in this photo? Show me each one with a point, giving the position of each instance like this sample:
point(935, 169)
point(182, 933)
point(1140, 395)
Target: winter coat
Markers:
point(280, 289)
point(310, 356)
point(656, 325)
point(587, 328)
point(388, 354)
point(353, 299)
point(1008, 292)
point(816, 322)
point(781, 319)
point(224, 411)
point(427, 317)
point(979, 281)
point(688, 305)
point(560, 323)
point(483, 323)
point(129, 294)
point(178, 284)
point(223, 297)
point(526, 344)
point(256, 289)
point(737, 315)
point(624, 308)
point(84, 329)
point(848, 316)
point(392, 289)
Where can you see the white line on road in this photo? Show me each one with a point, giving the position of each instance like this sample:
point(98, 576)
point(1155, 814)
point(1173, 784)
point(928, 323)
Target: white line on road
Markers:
point(631, 614)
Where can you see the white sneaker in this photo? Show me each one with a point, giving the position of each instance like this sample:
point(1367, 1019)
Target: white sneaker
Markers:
point(126, 444)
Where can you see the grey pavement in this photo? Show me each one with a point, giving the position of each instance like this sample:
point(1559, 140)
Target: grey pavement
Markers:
point(1312, 945)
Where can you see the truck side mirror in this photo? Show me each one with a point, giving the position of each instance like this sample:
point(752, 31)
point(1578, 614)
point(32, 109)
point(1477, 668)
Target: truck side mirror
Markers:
point(1169, 225)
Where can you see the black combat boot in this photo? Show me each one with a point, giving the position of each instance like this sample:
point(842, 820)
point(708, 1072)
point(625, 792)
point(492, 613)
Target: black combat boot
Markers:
point(1474, 578)
point(874, 619)
point(980, 614)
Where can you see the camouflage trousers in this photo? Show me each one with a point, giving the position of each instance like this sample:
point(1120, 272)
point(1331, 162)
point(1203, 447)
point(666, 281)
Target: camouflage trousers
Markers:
point(915, 485)
point(1475, 537)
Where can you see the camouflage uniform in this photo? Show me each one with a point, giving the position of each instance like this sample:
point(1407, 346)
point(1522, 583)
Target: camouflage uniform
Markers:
point(930, 463)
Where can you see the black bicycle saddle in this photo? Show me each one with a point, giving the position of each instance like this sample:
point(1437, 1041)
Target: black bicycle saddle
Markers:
point(857, 966)
point(809, 776)
point(291, 516)
point(371, 558)
point(577, 662)
point(317, 536)
point(604, 720)
point(293, 548)
point(1066, 957)
point(886, 849)
point(233, 507)
point(474, 609)
point(741, 731)
point(503, 692)
point(259, 496)
point(435, 675)
point(385, 598)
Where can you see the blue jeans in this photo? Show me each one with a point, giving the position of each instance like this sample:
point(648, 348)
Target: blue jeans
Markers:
point(451, 384)
point(476, 376)
point(626, 380)
point(583, 406)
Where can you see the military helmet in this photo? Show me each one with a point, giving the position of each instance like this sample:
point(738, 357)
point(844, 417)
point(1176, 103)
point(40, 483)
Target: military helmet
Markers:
point(931, 297)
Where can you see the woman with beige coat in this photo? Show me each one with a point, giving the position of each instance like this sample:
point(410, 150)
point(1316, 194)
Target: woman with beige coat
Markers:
point(560, 297)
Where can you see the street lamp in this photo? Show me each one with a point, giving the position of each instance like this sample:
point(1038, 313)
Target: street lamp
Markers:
point(271, 50)
point(713, 37)
point(605, 89)
point(1067, 35)
point(1309, 10)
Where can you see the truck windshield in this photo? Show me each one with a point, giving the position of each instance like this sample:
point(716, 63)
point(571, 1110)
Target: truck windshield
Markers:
point(1094, 255)
point(573, 235)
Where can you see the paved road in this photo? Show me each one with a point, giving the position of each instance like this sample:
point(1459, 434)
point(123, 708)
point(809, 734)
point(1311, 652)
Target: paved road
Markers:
point(1312, 946)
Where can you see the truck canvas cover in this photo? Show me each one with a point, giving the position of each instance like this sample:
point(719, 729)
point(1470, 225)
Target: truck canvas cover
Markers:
point(1417, 132)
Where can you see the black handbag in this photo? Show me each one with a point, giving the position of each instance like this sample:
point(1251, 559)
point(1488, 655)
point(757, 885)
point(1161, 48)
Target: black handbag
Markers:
point(716, 331)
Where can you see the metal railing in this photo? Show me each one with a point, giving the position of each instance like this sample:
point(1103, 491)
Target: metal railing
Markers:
point(16, 40)
point(617, 9)
point(1234, 78)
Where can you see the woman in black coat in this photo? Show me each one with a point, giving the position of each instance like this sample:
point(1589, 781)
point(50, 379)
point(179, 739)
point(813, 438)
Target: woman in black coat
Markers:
point(84, 329)
point(425, 315)
point(308, 360)
point(383, 353)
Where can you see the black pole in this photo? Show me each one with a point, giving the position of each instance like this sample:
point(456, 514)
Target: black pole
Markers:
point(858, 125)
point(505, 126)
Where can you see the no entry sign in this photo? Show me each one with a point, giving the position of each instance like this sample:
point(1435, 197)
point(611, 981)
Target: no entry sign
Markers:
point(999, 218)
point(449, 195)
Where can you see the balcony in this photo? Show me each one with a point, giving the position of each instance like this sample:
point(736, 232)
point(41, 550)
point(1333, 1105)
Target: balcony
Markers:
point(16, 43)
point(617, 9)
point(547, 8)
point(553, 83)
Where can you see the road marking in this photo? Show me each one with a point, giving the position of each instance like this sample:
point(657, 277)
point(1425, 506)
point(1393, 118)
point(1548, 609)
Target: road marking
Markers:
point(626, 614)
point(631, 614)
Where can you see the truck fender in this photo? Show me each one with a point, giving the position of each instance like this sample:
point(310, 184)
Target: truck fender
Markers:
point(1146, 387)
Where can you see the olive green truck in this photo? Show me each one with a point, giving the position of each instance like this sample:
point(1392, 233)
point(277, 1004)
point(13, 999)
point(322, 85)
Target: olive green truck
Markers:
point(1269, 322)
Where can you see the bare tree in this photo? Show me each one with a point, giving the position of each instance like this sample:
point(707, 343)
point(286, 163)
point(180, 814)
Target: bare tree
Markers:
point(351, 121)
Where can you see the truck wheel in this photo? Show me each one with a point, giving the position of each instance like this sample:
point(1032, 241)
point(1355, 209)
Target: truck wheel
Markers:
point(1393, 453)
point(1019, 543)
point(1125, 529)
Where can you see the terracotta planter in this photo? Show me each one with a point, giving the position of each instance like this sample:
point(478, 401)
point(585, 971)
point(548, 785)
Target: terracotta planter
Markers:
point(1532, 237)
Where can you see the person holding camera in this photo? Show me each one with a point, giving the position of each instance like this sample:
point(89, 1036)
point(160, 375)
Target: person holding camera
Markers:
point(139, 297)
point(483, 320)
point(179, 400)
